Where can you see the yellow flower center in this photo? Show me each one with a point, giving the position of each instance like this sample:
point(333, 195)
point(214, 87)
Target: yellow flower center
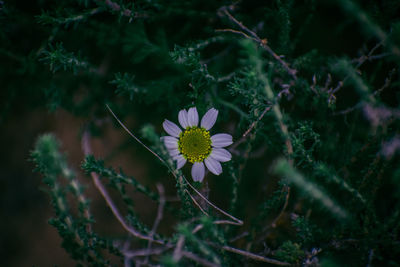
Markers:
point(195, 144)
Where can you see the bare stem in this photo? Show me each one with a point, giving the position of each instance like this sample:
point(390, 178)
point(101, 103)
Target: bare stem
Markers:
point(252, 125)
point(255, 256)
point(159, 216)
point(249, 34)
point(116, 7)
point(236, 220)
point(377, 92)
point(196, 203)
point(103, 191)
point(273, 224)
point(237, 32)
point(178, 249)
point(275, 221)
point(198, 259)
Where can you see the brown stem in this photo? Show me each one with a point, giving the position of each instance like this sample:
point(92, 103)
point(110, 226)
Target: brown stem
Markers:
point(159, 216)
point(252, 125)
point(103, 191)
point(198, 259)
point(262, 42)
point(273, 224)
point(255, 256)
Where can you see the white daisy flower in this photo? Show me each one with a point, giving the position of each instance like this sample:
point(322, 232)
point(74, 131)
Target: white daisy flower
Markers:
point(194, 143)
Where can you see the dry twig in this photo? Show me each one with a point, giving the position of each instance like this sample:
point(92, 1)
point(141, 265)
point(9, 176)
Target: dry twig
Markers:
point(99, 185)
point(198, 259)
point(252, 125)
point(255, 256)
point(377, 92)
point(249, 34)
point(159, 216)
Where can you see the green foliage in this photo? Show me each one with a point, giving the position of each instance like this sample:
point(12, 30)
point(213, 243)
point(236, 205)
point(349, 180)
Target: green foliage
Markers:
point(200, 77)
point(126, 87)
point(116, 179)
point(284, 169)
point(305, 231)
point(290, 252)
point(59, 59)
point(305, 141)
point(310, 98)
point(81, 243)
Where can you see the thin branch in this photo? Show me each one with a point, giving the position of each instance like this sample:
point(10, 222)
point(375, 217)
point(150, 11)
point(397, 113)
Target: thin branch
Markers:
point(361, 60)
point(238, 23)
point(371, 52)
point(159, 216)
point(253, 36)
point(82, 199)
point(277, 218)
point(292, 72)
point(348, 110)
point(236, 220)
point(255, 256)
point(145, 252)
point(96, 180)
point(196, 203)
point(377, 92)
point(226, 78)
point(134, 137)
point(178, 249)
point(203, 44)
point(116, 7)
point(388, 80)
point(231, 249)
point(273, 224)
point(160, 209)
point(217, 222)
point(198, 259)
point(240, 236)
point(246, 133)
point(237, 32)
point(262, 42)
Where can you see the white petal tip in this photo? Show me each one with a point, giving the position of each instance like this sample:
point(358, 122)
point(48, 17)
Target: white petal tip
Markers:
point(213, 165)
point(198, 171)
point(221, 140)
point(209, 119)
point(221, 154)
point(171, 128)
point(193, 117)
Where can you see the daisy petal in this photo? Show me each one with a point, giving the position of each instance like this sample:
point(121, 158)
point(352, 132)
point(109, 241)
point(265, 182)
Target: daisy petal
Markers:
point(198, 171)
point(180, 161)
point(221, 154)
point(193, 117)
point(183, 118)
point(171, 128)
point(213, 165)
point(221, 140)
point(170, 142)
point(173, 152)
point(208, 120)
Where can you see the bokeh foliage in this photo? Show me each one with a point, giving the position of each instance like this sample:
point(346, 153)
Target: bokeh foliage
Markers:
point(316, 180)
